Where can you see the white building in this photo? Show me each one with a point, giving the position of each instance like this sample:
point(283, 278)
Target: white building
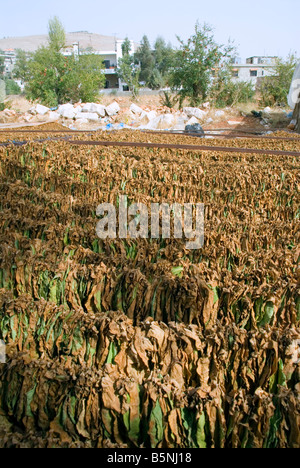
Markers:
point(254, 69)
point(82, 42)
point(9, 61)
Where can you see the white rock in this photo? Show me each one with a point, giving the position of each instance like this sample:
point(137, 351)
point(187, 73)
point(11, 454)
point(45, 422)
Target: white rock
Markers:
point(146, 117)
point(136, 109)
point(90, 107)
point(86, 107)
point(9, 112)
point(65, 107)
point(209, 121)
point(26, 118)
point(151, 115)
point(143, 118)
point(267, 110)
point(112, 109)
point(68, 113)
point(88, 116)
point(82, 121)
point(162, 122)
point(206, 105)
point(53, 116)
point(192, 121)
point(219, 113)
point(184, 116)
point(41, 110)
point(234, 122)
point(194, 112)
point(100, 110)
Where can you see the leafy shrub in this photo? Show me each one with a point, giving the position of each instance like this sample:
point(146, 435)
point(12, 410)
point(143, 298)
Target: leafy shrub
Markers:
point(12, 87)
point(231, 93)
point(167, 99)
point(275, 88)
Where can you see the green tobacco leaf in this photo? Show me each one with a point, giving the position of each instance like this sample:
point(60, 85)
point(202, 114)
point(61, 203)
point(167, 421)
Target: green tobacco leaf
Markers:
point(269, 312)
point(157, 429)
point(177, 271)
point(111, 354)
point(200, 436)
point(29, 398)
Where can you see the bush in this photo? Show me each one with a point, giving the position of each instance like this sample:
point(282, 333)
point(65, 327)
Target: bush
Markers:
point(167, 99)
point(274, 89)
point(12, 87)
point(231, 93)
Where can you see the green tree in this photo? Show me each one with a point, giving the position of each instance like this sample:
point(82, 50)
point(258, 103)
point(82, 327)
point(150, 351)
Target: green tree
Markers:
point(56, 34)
point(11, 87)
point(126, 47)
point(163, 56)
point(84, 79)
point(128, 71)
point(2, 67)
point(275, 88)
point(54, 79)
point(154, 63)
point(146, 60)
point(155, 80)
point(21, 68)
point(194, 61)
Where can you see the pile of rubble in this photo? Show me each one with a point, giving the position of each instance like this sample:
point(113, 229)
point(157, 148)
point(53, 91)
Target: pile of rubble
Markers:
point(87, 114)
point(113, 116)
point(168, 118)
point(81, 113)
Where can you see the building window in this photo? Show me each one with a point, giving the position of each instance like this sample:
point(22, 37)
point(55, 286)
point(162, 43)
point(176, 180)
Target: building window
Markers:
point(253, 72)
point(235, 73)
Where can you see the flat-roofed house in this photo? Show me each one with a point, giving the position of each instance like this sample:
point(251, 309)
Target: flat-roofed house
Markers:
point(81, 42)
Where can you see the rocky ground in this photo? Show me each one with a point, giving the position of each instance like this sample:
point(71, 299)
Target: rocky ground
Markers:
point(147, 112)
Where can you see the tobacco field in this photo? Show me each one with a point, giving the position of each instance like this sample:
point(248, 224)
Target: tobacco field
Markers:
point(142, 342)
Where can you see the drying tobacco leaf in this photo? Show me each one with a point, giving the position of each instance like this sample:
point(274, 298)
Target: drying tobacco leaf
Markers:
point(141, 342)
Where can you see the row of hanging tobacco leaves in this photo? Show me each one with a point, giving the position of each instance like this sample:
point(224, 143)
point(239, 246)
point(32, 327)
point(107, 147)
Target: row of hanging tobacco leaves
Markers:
point(141, 342)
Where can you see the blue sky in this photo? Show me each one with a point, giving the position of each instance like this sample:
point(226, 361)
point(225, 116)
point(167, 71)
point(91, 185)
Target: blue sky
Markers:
point(258, 27)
